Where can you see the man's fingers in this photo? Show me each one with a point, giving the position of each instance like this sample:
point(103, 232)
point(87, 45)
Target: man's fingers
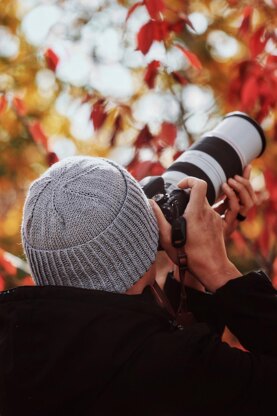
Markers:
point(233, 203)
point(197, 194)
point(246, 183)
point(246, 196)
point(247, 172)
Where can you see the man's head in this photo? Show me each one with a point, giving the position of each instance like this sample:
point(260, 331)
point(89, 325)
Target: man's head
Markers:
point(87, 223)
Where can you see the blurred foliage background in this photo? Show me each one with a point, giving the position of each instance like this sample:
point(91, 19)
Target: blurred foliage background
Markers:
point(137, 82)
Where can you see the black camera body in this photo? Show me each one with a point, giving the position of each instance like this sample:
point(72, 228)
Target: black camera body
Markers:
point(172, 204)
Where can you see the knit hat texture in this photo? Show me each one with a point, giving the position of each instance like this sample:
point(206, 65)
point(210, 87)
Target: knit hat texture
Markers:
point(87, 223)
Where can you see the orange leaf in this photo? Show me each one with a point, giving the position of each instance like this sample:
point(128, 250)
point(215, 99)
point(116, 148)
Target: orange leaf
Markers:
point(151, 73)
point(133, 8)
point(26, 281)
point(3, 103)
point(38, 134)
point(51, 58)
point(193, 59)
point(155, 8)
point(19, 106)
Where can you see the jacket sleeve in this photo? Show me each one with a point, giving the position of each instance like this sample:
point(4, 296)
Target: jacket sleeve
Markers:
point(248, 306)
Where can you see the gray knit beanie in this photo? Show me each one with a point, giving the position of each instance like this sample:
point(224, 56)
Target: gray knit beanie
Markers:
point(87, 223)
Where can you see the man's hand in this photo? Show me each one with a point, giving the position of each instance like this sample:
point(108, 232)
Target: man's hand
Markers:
point(239, 199)
point(205, 247)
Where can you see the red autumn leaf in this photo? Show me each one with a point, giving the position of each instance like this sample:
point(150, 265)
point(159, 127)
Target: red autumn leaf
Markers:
point(151, 73)
point(3, 103)
point(161, 30)
point(38, 134)
point(51, 58)
point(246, 21)
point(156, 169)
point(19, 106)
point(177, 27)
point(168, 133)
point(179, 78)
point(145, 37)
point(193, 59)
point(6, 265)
point(140, 169)
point(249, 93)
point(2, 283)
point(149, 32)
point(98, 114)
point(177, 154)
point(155, 8)
point(186, 20)
point(144, 137)
point(52, 158)
point(258, 41)
point(133, 8)
point(271, 61)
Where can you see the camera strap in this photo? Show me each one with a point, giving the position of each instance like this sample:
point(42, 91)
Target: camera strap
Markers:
point(184, 316)
point(178, 239)
point(162, 299)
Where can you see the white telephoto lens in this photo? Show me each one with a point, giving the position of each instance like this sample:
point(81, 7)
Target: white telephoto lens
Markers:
point(219, 154)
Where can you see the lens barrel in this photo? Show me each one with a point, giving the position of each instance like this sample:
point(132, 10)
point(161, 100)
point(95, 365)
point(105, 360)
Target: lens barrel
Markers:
point(220, 154)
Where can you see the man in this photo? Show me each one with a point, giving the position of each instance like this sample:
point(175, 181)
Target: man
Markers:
point(90, 339)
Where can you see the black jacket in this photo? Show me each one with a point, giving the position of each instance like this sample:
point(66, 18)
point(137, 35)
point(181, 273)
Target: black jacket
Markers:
point(76, 352)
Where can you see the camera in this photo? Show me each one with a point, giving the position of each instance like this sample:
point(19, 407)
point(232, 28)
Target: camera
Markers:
point(217, 156)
